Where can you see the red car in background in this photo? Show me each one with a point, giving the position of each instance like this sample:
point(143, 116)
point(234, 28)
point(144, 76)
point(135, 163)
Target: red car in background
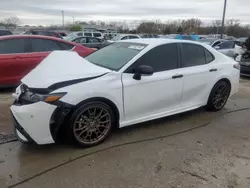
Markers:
point(21, 53)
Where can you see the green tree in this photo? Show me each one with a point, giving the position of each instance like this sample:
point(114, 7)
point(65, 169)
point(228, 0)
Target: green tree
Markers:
point(76, 28)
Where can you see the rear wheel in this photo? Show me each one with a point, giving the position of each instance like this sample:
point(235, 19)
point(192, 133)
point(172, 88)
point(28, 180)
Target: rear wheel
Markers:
point(219, 96)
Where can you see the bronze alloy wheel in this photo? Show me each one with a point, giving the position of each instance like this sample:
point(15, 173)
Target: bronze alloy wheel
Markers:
point(92, 124)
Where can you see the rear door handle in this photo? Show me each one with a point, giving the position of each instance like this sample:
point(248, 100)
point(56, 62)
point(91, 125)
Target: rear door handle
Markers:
point(177, 76)
point(213, 70)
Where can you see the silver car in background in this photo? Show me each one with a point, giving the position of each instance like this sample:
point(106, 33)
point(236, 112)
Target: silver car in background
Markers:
point(226, 47)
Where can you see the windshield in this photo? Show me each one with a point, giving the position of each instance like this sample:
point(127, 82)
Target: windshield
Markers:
point(116, 55)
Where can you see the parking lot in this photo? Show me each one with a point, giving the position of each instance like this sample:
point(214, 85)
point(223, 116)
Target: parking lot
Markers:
point(195, 149)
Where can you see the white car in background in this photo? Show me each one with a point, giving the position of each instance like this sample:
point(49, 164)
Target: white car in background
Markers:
point(125, 83)
point(227, 47)
point(78, 34)
point(120, 37)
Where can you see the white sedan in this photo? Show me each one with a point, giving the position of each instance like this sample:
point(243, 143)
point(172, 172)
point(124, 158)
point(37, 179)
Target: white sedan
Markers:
point(122, 84)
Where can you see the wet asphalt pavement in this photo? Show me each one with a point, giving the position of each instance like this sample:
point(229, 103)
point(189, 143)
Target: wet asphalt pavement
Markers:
point(196, 149)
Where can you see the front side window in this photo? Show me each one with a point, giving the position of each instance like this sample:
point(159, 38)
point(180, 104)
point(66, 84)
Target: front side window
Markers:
point(44, 45)
point(93, 40)
point(116, 55)
point(193, 55)
point(12, 46)
point(160, 58)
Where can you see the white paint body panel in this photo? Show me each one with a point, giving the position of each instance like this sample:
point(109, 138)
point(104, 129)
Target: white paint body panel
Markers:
point(61, 66)
point(35, 119)
point(151, 95)
point(137, 101)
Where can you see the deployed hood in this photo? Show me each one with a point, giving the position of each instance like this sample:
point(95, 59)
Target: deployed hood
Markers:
point(61, 66)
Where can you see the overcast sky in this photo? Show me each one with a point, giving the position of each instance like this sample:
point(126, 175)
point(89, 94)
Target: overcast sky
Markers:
point(47, 12)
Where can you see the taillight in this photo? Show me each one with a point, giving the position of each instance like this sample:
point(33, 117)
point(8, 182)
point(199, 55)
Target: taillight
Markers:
point(237, 66)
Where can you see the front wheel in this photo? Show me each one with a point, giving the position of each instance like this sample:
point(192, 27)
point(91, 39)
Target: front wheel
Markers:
point(219, 96)
point(91, 123)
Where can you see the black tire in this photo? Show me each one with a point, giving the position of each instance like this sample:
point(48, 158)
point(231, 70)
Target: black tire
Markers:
point(89, 125)
point(218, 96)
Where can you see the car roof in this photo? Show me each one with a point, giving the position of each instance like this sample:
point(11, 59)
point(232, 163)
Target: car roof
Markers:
point(35, 37)
point(127, 35)
point(159, 41)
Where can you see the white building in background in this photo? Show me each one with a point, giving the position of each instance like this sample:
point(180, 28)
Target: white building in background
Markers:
point(103, 29)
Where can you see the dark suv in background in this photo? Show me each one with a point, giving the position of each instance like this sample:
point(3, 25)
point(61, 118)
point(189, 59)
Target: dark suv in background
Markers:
point(5, 32)
point(44, 33)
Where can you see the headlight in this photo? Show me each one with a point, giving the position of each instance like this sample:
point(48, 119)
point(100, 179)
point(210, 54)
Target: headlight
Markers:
point(31, 97)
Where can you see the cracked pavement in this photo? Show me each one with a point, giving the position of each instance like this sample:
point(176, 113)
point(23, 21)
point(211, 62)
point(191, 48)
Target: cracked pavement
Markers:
point(214, 155)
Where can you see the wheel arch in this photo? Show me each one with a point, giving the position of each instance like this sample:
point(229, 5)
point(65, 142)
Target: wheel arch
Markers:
point(221, 79)
point(61, 130)
point(104, 100)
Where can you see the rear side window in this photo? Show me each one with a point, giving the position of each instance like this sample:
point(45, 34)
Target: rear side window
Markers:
point(124, 38)
point(227, 45)
point(216, 43)
point(65, 46)
point(44, 45)
point(186, 37)
point(133, 37)
point(97, 34)
point(193, 55)
point(12, 46)
point(79, 34)
point(83, 40)
point(5, 32)
point(160, 58)
point(88, 34)
point(209, 56)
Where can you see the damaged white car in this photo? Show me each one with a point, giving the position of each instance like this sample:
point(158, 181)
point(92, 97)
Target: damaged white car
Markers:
point(122, 84)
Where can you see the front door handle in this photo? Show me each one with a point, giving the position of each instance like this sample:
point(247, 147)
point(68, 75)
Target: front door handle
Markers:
point(177, 76)
point(213, 70)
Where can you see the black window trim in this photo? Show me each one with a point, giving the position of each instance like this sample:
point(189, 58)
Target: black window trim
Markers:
point(182, 54)
point(178, 58)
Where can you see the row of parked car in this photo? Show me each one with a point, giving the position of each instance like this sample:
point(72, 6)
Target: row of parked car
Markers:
point(21, 53)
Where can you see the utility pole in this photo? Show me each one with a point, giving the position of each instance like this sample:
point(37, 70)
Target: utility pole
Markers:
point(62, 18)
point(73, 20)
point(223, 19)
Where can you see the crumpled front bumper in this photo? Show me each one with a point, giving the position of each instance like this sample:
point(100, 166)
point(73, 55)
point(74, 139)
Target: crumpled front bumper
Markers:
point(32, 122)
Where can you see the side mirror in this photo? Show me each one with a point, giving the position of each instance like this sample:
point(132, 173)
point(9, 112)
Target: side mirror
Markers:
point(143, 70)
point(217, 47)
